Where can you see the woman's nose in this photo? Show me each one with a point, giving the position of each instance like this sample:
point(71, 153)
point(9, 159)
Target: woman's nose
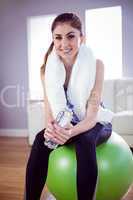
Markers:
point(64, 43)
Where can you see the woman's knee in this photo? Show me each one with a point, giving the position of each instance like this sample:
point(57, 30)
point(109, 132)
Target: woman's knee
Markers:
point(104, 134)
point(39, 139)
point(91, 134)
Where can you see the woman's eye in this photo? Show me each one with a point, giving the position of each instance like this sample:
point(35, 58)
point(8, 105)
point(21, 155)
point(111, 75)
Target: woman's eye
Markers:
point(58, 38)
point(71, 36)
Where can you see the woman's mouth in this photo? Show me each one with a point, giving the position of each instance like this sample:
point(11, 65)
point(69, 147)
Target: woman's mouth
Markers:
point(67, 51)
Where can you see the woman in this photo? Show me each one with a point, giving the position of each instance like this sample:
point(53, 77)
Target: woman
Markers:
point(67, 82)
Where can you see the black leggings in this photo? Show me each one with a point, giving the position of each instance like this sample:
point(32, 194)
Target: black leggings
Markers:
point(87, 171)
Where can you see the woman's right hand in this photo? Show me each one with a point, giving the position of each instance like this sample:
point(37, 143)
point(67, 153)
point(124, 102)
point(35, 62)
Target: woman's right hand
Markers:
point(50, 133)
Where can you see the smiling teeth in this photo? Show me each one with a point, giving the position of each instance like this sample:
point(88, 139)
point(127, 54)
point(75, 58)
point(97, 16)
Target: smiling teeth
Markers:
point(67, 51)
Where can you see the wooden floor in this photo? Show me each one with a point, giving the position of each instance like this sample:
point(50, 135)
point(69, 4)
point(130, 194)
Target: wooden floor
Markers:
point(13, 157)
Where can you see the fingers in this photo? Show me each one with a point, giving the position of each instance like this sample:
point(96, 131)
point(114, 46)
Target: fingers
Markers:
point(55, 137)
point(62, 131)
point(59, 137)
point(57, 134)
point(47, 135)
point(65, 133)
point(50, 127)
point(49, 131)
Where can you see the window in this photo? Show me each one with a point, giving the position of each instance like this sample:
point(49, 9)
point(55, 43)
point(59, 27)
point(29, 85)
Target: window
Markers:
point(39, 39)
point(104, 36)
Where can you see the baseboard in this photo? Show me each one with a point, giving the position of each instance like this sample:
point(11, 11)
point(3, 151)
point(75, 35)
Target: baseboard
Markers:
point(14, 132)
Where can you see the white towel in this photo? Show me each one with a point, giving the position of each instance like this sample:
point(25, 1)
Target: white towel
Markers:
point(81, 82)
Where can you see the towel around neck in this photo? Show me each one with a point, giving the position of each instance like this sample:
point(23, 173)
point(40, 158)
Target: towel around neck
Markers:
point(80, 84)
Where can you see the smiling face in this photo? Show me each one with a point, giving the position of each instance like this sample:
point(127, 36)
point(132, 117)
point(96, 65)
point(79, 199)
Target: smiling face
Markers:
point(67, 41)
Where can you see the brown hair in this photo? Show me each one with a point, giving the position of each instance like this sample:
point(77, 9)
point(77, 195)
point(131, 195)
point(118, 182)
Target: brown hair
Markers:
point(70, 18)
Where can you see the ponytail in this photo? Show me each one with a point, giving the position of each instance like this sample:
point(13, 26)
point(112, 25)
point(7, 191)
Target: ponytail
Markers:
point(42, 70)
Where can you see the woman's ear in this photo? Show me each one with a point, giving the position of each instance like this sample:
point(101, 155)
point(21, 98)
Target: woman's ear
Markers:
point(82, 39)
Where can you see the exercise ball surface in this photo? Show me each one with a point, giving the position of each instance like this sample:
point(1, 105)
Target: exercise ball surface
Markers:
point(115, 170)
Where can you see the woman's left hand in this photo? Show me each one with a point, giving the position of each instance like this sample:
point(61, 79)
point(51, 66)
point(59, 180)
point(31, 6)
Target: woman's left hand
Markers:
point(64, 133)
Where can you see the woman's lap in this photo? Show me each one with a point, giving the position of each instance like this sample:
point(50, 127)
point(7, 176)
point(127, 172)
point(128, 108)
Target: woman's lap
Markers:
point(97, 135)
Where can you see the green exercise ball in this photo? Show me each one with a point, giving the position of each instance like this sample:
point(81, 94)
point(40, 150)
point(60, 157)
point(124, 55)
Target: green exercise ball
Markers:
point(115, 169)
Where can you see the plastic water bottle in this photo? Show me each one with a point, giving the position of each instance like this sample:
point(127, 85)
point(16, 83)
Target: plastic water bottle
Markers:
point(63, 118)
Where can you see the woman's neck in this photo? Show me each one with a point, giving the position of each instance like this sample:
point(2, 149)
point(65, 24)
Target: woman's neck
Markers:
point(68, 63)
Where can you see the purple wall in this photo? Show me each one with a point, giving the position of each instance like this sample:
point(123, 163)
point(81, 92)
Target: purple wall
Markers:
point(13, 48)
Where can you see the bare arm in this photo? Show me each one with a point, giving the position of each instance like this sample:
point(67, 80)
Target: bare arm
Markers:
point(50, 132)
point(48, 112)
point(93, 102)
